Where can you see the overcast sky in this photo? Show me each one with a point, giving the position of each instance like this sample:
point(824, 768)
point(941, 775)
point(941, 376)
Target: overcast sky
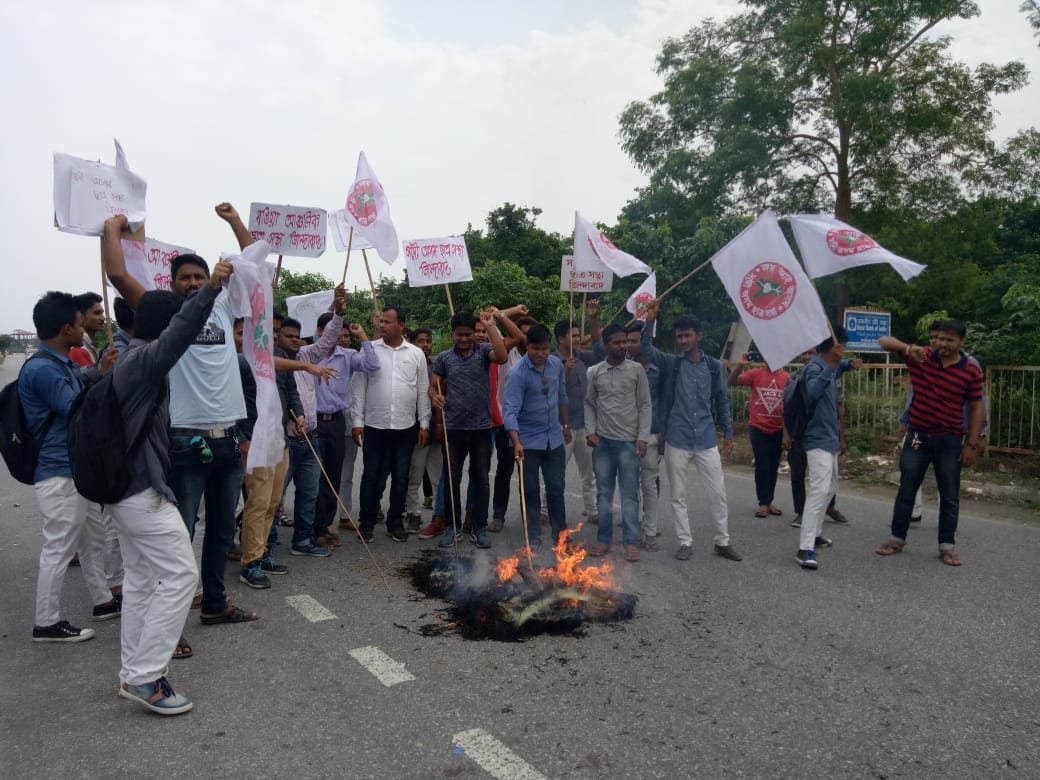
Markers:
point(460, 106)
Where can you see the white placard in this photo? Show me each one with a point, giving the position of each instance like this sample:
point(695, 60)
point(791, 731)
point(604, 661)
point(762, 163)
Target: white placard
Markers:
point(339, 226)
point(307, 309)
point(86, 193)
point(437, 261)
point(594, 280)
point(149, 262)
point(297, 231)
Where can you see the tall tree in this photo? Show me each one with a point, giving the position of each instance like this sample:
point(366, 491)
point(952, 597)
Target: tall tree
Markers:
point(812, 104)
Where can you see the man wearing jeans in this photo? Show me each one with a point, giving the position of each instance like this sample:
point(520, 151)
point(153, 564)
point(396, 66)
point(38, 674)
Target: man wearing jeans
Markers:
point(694, 403)
point(534, 412)
point(617, 424)
point(943, 381)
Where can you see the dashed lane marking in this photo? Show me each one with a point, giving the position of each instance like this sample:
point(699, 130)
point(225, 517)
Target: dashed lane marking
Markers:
point(309, 608)
point(494, 757)
point(383, 667)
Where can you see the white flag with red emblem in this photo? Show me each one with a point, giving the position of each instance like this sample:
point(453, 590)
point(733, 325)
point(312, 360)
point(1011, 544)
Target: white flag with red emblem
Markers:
point(621, 263)
point(773, 296)
point(368, 211)
point(640, 300)
point(828, 246)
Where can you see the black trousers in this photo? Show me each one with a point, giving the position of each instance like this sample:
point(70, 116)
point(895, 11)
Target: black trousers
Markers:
point(332, 435)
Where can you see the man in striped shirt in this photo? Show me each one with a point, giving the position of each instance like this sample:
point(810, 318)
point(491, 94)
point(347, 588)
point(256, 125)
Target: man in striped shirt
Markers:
point(943, 380)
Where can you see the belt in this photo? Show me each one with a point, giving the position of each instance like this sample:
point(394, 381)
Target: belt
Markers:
point(329, 417)
point(212, 433)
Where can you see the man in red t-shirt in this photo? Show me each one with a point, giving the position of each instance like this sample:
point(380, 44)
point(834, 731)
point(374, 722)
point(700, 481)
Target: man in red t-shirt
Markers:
point(765, 426)
point(89, 303)
point(944, 380)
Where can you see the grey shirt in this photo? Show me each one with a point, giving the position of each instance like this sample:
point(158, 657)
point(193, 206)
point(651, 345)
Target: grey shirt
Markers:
point(617, 402)
point(578, 382)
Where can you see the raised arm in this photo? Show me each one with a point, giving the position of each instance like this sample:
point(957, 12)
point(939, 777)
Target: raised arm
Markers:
point(499, 353)
point(366, 360)
point(513, 335)
point(228, 213)
point(646, 338)
point(115, 263)
point(592, 308)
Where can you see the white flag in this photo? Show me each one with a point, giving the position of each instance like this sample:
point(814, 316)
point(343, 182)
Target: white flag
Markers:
point(621, 263)
point(828, 246)
point(120, 156)
point(641, 299)
point(773, 296)
point(369, 212)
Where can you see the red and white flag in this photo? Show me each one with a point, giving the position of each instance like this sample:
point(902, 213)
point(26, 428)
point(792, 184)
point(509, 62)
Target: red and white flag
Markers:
point(773, 296)
point(640, 300)
point(368, 212)
point(621, 263)
point(828, 246)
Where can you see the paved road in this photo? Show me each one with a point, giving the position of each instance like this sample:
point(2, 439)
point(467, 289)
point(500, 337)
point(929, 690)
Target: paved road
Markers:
point(868, 667)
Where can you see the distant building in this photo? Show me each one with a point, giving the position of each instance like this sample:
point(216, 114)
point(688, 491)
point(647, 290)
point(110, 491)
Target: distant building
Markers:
point(22, 339)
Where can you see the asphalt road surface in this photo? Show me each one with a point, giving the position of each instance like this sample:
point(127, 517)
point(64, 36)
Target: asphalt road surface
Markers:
point(867, 667)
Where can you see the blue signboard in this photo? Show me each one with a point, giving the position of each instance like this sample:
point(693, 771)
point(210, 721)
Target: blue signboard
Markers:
point(865, 328)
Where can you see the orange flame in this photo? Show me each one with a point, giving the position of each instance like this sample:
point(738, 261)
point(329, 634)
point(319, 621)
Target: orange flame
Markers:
point(506, 568)
point(568, 570)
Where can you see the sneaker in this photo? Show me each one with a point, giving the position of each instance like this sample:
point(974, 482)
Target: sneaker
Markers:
point(75, 560)
point(365, 537)
point(796, 521)
point(806, 559)
point(412, 523)
point(684, 552)
point(915, 519)
point(727, 552)
point(254, 577)
point(311, 549)
point(435, 528)
point(112, 609)
point(822, 541)
point(496, 524)
point(427, 502)
point(269, 566)
point(157, 696)
point(837, 517)
point(398, 534)
point(481, 539)
point(449, 538)
point(62, 631)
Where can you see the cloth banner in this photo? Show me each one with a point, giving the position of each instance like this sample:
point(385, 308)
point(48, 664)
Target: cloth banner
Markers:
point(588, 280)
point(307, 309)
point(773, 296)
point(368, 211)
point(828, 246)
point(339, 226)
point(296, 231)
point(249, 291)
point(639, 301)
point(432, 261)
point(86, 193)
point(621, 263)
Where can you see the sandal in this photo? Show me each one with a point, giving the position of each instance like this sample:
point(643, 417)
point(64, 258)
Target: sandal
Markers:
point(599, 550)
point(182, 650)
point(631, 553)
point(891, 547)
point(229, 615)
point(950, 557)
point(283, 519)
point(196, 601)
point(235, 553)
point(650, 544)
point(761, 513)
point(774, 511)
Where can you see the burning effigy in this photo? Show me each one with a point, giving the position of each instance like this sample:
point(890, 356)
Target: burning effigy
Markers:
point(513, 599)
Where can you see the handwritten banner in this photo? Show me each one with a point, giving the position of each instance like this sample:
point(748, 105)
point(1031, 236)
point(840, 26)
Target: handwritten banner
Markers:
point(296, 231)
point(437, 261)
point(585, 280)
point(339, 226)
point(149, 261)
point(307, 309)
point(86, 193)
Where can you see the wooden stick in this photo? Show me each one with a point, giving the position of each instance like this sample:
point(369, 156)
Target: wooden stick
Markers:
point(346, 265)
point(104, 295)
point(691, 273)
point(523, 513)
point(451, 305)
point(451, 487)
point(371, 284)
point(584, 304)
point(570, 326)
point(277, 273)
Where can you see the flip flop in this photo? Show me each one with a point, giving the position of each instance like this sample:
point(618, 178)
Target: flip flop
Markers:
point(761, 513)
point(774, 511)
point(229, 615)
point(183, 650)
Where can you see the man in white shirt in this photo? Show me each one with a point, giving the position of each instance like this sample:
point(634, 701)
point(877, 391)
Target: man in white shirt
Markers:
point(390, 410)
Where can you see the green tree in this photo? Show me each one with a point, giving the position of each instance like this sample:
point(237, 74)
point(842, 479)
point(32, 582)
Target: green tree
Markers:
point(513, 235)
point(292, 284)
point(5, 341)
point(1031, 8)
point(814, 104)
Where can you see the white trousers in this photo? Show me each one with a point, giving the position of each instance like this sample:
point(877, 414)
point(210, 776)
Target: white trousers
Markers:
point(113, 559)
point(709, 468)
point(429, 458)
point(158, 585)
point(823, 483)
point(649, 488)
point(582, 454)
point(66, 531)
point(346, 478)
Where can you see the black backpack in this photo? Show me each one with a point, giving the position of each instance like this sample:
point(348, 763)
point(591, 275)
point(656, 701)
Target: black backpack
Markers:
point(19, 448)
point(796, 407)
point(101, 461)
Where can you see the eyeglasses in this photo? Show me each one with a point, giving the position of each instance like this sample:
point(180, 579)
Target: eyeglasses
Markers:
point(205, 453)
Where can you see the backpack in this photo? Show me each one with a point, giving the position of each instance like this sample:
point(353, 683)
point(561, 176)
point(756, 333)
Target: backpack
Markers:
point(101, 460)
point(19, 448)
point(796, 407)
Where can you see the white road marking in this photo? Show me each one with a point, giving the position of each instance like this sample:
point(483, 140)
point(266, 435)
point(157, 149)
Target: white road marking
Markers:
point(383, 667)
point(309, 608)
point(494, 757)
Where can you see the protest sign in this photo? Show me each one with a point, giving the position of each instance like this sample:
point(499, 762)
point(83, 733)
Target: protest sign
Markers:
point(149, 261)
point(595, 279)
point(339, 226)
point(296, 231)
point(86, 193)
point(432, 261)
point(307, 309)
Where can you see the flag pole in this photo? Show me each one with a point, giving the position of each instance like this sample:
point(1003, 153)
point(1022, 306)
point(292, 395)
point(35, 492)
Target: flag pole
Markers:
point(570, 326)
point(346, 265)
point(584, 304)
point(277, 273)
point(451, 305)
point(104, 294)
point(691, 273)
point(371, 284)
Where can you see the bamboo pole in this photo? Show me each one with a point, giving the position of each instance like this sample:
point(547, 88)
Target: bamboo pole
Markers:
point(451, 305)
point(584, 305)
point(277, 273)
point(104, 295)
point(523, 513)
point(346, 265)
point(371, 284)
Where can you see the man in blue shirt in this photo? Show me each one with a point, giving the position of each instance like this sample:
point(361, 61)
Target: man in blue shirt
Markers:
point(535, 414)
point(47, 386)
point(693, 404)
